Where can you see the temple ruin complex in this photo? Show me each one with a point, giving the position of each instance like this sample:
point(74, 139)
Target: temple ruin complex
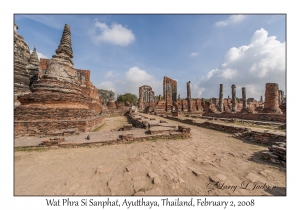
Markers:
point(57, 106)
point(51, 95)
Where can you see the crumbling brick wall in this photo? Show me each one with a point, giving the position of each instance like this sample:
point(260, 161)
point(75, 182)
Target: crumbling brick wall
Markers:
point(271, 104)
point(170, 92)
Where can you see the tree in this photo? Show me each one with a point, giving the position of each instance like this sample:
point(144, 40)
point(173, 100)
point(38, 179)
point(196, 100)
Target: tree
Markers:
point(127, 97)
point(105, 95)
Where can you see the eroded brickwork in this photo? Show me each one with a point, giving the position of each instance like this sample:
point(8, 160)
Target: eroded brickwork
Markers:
point(189, 96)
point(21, 75)
point(271, 104)
point(170, 92)
point(62, 94)
point(221, 96)
point(146, 96)
point(233, 90)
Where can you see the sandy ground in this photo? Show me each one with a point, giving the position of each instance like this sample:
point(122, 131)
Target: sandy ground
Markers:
point(208, 163)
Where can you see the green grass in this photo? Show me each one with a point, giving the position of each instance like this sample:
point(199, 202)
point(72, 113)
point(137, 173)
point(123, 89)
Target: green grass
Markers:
point(258, 126)
point(31, 149)
point(98, 128)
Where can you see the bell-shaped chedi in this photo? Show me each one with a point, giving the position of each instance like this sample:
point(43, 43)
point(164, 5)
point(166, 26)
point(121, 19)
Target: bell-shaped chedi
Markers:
point(62, 98)
point(65, 46)
point(34, 59)
point(21, 75)
point(60, 75)
point(33, 67)
point(111, 103)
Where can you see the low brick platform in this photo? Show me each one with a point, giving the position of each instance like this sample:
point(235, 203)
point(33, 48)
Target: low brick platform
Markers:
point(98, 138)
point(250, 116)
point(263, 137)
point(55, 127)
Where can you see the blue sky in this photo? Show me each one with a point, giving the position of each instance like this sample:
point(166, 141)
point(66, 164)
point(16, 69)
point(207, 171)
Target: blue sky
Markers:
point(124, 52)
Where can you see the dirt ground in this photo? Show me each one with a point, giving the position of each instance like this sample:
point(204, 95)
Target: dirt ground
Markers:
point(208, 163)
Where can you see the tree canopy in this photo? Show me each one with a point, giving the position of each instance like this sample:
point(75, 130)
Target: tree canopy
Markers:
point(105, 95)
point(127, 97)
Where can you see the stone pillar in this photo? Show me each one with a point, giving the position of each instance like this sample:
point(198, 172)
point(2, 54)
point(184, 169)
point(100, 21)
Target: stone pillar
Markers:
point(244, 98)
point(233, 90)
point(279, 97)
point(282, 97)
point(141, 96)
point(221, 98)
point(271, 99)
point(188, 84)
point(261, 99)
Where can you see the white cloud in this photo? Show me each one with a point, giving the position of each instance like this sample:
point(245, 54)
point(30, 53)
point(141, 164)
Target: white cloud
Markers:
point(208, 42)
point(109, 74)
point(251, 66)
point(49, 20)
point(196, 91)
point(233, 19)
point(107, 85)
point(135, 78)
point(137, 75)
point(194, 54)
point(228, 73)
point(275, 18)
point(115, 34)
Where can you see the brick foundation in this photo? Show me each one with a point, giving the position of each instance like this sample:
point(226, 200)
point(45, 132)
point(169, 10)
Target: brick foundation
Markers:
point(49, 127)
point(250, 116)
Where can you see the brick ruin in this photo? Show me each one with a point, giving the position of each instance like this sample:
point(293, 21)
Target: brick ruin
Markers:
point(170, 92)
point(50, 95)
point(272, 99)
point(21, 58)
point(249, 108)
point(221, 97)
point(146, 96)
point(113, 108)
point(222, 107)
point(55, 96)
point(169, 103)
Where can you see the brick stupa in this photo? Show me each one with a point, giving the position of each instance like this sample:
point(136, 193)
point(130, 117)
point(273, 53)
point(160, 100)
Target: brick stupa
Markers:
point(21, 58)
point(33, 67)
point(63, 98)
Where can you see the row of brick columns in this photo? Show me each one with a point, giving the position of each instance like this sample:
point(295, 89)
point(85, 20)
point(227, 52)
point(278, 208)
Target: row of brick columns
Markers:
point(273, 98)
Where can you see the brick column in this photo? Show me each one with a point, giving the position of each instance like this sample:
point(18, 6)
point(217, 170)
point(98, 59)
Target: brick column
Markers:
point(244, 98)
point(233, 89)
point(271, 104)
point(141, 95)
point(279, 97)
point(221, 98)
point(188, 84)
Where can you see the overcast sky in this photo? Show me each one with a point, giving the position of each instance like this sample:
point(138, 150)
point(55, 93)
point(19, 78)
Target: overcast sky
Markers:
point(124, 52)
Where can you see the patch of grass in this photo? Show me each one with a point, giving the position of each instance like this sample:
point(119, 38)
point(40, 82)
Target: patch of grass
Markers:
point(154, 138)
point(259, 126)
point(98, 128)
point(31, 149)
point(143, 189)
